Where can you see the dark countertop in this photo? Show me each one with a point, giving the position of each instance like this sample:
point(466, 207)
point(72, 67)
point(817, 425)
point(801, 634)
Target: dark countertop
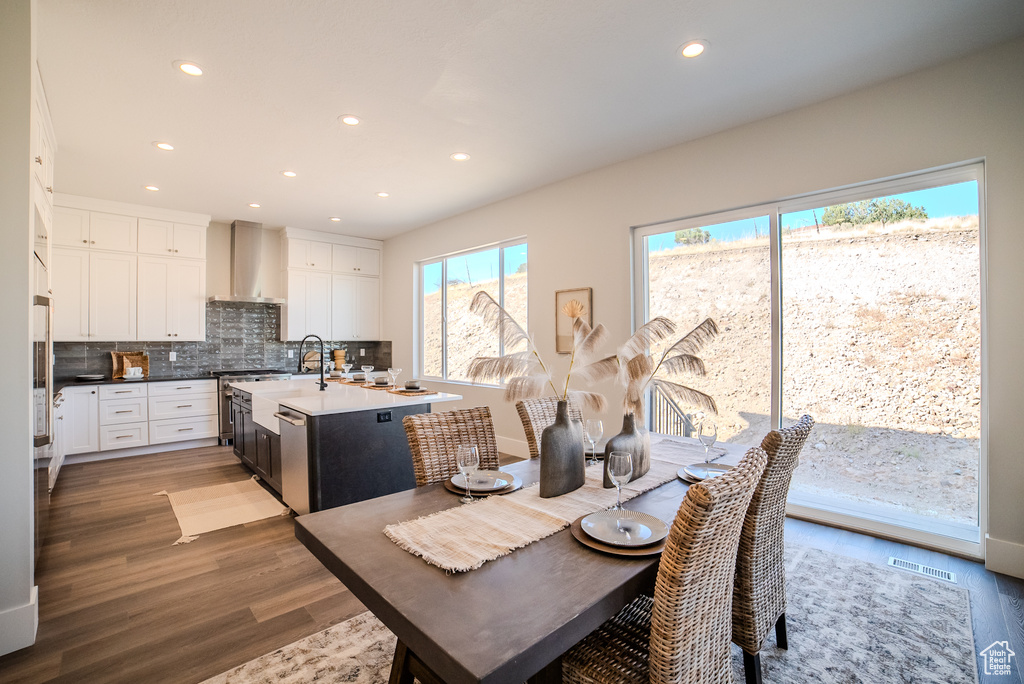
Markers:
point(60, 382)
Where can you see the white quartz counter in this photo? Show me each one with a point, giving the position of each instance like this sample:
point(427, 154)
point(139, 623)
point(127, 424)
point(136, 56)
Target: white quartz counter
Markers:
point(304, 396)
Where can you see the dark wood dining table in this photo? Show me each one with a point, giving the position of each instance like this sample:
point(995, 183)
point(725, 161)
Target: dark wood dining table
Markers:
point(507, 621)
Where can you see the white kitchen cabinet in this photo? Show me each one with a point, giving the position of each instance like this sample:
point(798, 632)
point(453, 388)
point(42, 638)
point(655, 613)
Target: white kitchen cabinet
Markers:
point(81, 419)
point(355, 309)
point(163, 238)
point(70, 227)
point(172, 299)
point(43, 144)
point(308, 311)
point(58, 449)
point(113, 283)
point(181, 429)
point(187, 406)
point(69, 280)
point(119, 411)
point(309, 254)
point(123, 436)
point(355, 260)
point(113, 232)
point(180, 388)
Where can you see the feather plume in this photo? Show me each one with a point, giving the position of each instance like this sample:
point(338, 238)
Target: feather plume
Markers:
point(639, 368)
point(687, 395)
point(590, 400)
point(684, 363)
point(693, 341)
point(497, 368)
point(597, 371)
point(511, 332)
point(589, 343)
point(640, 342)
point(525, 387)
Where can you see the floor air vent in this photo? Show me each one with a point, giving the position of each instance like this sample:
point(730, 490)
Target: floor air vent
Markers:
point(922, 569)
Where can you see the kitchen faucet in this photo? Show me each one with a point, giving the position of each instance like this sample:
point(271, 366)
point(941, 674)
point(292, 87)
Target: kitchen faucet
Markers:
point(302, 364)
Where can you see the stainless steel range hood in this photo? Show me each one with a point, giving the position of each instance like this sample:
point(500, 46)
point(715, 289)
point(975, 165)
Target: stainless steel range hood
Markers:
point(246, 259)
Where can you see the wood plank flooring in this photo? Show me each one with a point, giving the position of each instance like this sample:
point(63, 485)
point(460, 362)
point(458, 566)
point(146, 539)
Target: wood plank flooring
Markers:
point(118, 603)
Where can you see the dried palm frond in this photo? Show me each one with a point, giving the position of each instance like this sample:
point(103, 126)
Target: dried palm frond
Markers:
point(693, 341)
point(591, 400)
point(638, 370)
point(640, 342)
point(524, 372)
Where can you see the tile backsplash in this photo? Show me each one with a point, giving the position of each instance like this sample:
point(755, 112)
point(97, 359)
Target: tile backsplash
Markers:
point(238, 335)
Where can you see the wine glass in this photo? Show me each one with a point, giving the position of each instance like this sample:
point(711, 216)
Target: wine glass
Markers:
point(620, 469)
point(468, 459)
point(707, 433)
point(595, 429)
point(393, 373)
point(366, 373)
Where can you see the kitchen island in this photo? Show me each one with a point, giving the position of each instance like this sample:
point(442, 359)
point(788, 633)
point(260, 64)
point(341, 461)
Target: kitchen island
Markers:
point(322, 449)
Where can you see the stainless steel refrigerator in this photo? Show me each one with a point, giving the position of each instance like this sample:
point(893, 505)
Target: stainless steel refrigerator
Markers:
point(42, 400)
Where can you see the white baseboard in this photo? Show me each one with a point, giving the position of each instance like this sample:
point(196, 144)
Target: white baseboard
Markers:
point(140, 451)
point(1004, 557)
point(18, 625)
point(513, 447)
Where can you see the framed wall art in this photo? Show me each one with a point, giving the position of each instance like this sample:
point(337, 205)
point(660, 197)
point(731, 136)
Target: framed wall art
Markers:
point(563, 324)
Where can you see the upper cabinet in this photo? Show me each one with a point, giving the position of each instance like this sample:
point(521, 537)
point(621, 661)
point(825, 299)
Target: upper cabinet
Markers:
point(308, 254)
point(44, 144)
point(104, 289)
point(164, 238)
point(333, 286)
point(355, 260)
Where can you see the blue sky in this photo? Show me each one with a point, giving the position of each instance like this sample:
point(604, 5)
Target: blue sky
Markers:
point(960, 199)
point(478, 267)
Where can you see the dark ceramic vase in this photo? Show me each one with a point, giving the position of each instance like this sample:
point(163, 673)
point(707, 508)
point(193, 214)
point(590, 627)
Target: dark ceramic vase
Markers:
point(637, 441)
point(562, 461)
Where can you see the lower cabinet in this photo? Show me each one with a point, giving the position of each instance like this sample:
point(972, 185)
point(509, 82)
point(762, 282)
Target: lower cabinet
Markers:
point(254, 445)
point(81, 419)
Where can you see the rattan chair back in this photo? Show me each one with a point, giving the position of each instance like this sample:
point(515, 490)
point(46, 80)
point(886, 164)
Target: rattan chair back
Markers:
point(537, 414)
point(433, 438)
point(691, 619)
point(759, 594)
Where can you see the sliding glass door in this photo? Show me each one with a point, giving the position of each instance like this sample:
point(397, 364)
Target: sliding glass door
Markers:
point(861, 307)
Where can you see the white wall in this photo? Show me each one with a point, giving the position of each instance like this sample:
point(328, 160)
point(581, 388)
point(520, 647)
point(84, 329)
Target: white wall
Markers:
point(18, 610)
point(578, 229)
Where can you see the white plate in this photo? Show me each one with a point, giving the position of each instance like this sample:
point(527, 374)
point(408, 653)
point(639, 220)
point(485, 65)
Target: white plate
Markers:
point(483, 480)
point(89, 377)
point(699, 471)
point(624, 528)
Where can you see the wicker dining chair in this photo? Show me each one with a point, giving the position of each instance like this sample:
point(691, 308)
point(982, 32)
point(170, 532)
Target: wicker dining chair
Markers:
point(433, 438)
point(537, 414)
point(682, 634)
point(759, 594)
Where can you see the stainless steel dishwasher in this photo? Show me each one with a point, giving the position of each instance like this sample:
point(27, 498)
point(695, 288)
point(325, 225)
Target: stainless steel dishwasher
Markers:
point(294, 459)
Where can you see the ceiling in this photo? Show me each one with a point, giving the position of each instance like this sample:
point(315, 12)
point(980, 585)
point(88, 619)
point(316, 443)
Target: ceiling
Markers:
point(534, 90)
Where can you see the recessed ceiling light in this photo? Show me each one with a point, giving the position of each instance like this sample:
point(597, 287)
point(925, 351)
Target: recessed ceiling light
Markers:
point(190, 68)
point(290, 174)
point(460, 156)
point(164, 146)
point(694, 48)
point(152, 188)
point(336, 218)
point(350, 120)
point(383, 194)
point(254, 205)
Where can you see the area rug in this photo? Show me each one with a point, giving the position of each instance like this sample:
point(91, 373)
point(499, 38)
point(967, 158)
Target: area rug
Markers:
point(206, 509)
point(848, 622)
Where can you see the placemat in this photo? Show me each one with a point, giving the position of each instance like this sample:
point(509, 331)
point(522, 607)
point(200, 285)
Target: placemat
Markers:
point(465, 537)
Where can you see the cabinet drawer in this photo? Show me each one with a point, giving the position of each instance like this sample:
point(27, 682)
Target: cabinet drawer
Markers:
point(122, 391)
point(164, 389)
point(117, 411)
point(181, 429)
point(123, 436)
point(183, 406)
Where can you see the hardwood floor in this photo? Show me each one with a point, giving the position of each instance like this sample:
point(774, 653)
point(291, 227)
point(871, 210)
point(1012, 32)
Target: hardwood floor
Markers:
point(118, 603)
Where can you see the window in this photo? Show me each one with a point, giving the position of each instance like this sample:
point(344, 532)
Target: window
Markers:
point(861, 307)
point(451, 336)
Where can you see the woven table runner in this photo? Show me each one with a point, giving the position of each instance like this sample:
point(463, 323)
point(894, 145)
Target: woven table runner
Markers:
point(465, 537)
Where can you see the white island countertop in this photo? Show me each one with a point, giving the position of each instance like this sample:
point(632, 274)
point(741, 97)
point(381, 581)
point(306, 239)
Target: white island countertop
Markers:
point(304, 396)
